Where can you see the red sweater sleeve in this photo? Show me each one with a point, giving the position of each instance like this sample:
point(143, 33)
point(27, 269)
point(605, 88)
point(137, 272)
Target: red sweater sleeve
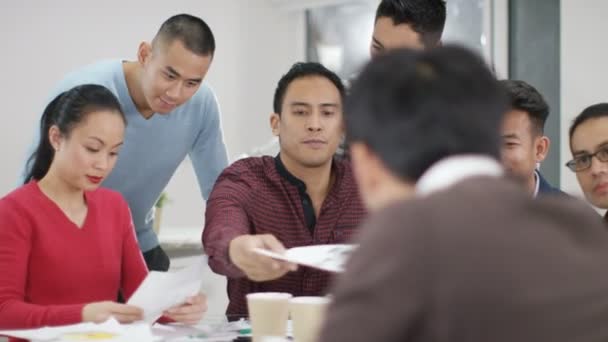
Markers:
point(225, 219)
point(15, 246)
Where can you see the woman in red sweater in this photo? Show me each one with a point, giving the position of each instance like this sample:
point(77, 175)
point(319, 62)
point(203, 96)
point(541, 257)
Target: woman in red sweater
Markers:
point(67, 247)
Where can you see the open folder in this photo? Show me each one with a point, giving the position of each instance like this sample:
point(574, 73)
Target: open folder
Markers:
point(330, 258)
point(162, 290)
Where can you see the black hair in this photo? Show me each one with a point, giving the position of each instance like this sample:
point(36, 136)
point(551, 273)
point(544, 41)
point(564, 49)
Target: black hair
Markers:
point(598, 110)
point(414, 108)
point(426, 17)
point(192, 31)
point(300, 70)
point(525, 97)
point(65, 111)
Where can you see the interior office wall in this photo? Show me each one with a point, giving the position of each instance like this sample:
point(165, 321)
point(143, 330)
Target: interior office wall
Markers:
point(584, 70)
point(42, 40)
point(257, 42)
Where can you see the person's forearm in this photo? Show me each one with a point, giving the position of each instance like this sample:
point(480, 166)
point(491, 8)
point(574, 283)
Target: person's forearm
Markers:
point(15, 314)
point(219, 259)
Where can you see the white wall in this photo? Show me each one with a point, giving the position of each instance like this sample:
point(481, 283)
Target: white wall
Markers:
point(257, 42)
point(583, 68)
point(42, 40)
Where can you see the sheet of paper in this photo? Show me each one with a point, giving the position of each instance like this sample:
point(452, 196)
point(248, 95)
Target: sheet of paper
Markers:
point(110, 330)
point(163, 290)
point(330, 258)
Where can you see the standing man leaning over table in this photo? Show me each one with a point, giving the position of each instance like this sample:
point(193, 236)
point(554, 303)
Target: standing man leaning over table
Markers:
point(170, 114)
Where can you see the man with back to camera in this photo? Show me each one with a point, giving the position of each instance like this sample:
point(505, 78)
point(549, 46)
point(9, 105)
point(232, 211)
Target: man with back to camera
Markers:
point(453, 251)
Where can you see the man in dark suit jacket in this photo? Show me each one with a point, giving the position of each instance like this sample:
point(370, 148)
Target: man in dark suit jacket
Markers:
point(545, 188)
point(524, 144)
point(453, 251)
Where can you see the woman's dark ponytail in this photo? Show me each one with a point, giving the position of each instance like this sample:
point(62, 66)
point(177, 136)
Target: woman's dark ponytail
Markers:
point(39, 162)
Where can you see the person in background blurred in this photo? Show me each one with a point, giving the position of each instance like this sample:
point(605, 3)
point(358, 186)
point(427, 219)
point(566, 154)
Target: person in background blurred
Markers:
point(414, 24)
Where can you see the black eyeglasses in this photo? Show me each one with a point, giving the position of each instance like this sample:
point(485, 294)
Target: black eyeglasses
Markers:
point(583, 162)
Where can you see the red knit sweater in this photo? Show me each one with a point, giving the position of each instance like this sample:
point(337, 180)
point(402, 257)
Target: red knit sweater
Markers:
point(50, 268)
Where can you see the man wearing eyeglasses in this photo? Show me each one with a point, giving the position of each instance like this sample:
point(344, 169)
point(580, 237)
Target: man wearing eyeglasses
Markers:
point(414, 24)
point(524, 144)
point(589, 147)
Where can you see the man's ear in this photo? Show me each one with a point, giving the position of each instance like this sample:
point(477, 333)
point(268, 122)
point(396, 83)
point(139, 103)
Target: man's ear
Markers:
point(275, 120)
point(364, 163)
point(378, 186)
point(144, 52)
point(542, 145)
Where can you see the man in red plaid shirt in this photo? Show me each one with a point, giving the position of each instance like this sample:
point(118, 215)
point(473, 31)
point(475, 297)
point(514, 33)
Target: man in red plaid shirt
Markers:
point(303, 196)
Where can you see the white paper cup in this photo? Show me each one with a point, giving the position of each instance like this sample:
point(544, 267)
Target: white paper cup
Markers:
point(268, 313)
point(307, 316)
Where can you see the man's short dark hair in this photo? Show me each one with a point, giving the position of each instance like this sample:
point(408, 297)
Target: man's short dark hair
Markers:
point(300, 70)
point(525, 97)
point(414, 108)
point(427, 17)
point(598, 110)
point(192, 31)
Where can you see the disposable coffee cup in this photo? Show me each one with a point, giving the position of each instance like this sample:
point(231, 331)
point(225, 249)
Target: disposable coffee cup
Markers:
point(268, 313)
point(307, 316)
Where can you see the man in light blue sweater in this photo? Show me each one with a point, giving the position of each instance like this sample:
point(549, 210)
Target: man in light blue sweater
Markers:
point(171, 114)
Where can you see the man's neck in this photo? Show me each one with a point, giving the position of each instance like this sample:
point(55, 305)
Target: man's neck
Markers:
point(317, 179)
point(133, 73)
